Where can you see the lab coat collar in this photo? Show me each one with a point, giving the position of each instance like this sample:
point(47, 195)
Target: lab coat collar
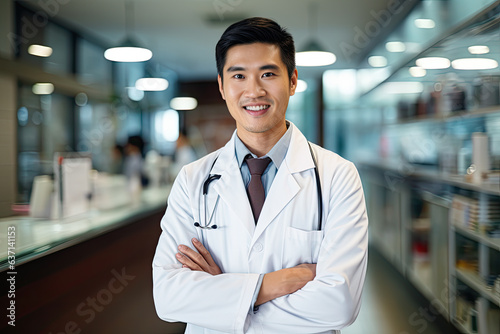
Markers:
point(298, 157)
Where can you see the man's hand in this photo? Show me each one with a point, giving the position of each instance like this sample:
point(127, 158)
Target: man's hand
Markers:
point(200, 261)
point(285, 281)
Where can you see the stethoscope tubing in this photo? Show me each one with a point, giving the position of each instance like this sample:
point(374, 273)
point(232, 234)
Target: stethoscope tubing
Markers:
point(213, 177)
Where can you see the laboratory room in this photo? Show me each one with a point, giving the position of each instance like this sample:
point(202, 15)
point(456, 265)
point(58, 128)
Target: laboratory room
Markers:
point(237, 166)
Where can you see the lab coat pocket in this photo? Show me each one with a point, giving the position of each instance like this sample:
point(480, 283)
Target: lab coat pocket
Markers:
point(300, 246)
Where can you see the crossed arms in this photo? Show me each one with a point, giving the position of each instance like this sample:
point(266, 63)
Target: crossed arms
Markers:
point(274, 284)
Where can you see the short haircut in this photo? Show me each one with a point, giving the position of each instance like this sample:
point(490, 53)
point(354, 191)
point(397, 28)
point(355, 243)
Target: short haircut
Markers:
point(256, 30)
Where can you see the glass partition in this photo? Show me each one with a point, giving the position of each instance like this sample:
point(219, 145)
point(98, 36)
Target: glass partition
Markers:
point(70, 113)
point(91, 67)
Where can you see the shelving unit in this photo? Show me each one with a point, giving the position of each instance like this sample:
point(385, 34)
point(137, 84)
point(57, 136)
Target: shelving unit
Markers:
point(436, 276)
point(433, 250)
point(476, 280)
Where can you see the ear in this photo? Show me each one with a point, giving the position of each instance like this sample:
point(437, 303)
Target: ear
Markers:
point(293, 82)
point(221, 89)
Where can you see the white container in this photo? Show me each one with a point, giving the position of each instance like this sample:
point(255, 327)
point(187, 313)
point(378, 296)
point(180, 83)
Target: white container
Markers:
point(480, 155)
point(42, 196)
point(110, 191)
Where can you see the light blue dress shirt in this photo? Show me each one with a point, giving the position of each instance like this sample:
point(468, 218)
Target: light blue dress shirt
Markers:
point(277, 155)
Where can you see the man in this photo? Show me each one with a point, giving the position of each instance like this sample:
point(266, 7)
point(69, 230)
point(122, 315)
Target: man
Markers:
point(226, 263)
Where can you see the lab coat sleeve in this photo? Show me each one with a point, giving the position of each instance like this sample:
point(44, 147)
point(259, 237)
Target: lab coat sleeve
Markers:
point(332, 300)
point(219, 302)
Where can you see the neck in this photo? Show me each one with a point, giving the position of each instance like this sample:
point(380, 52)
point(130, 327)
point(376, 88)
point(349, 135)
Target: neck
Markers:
point(261, 143)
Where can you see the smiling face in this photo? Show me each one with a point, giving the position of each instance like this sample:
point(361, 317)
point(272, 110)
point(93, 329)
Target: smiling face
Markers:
point(257, 88)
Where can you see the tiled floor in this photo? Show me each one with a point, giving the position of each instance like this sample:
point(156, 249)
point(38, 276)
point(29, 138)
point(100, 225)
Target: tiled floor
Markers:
point(391, 305)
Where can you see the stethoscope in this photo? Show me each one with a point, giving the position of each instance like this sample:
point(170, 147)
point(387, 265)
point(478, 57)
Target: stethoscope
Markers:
point(212, 177)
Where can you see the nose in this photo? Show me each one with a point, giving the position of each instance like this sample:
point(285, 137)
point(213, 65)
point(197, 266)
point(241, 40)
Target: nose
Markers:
point(254, 88)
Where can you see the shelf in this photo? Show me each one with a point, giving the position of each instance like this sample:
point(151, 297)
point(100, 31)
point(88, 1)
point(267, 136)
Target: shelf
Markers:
point(431, 174)
point(474, 281)
point(458, 181)
point(479, 237)
point(455, 115)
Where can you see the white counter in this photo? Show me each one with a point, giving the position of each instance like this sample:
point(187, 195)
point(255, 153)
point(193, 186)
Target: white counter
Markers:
point(34, 238)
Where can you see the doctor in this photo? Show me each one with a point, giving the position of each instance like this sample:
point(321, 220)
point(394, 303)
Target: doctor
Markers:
point(298, 264)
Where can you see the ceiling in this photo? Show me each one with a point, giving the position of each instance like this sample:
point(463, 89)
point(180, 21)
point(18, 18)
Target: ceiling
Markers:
point(182, 33)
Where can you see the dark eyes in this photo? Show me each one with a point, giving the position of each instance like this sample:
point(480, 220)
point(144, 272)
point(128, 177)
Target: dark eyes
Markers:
point(265, 75)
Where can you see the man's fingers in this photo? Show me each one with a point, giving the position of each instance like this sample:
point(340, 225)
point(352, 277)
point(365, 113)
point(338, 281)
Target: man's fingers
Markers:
point(187, 262)
point(212, 268)
point(201, 261)
point(203, 251)
point(195, 256)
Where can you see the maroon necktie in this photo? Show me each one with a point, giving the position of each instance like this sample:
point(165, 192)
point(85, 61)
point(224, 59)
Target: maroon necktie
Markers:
point(255, 189)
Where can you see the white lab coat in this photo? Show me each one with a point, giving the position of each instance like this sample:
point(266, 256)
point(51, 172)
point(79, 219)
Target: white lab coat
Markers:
point(286, 235)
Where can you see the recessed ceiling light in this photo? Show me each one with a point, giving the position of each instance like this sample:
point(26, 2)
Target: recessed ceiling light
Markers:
point(128, 54)
point(417, 71)
point(474, 64)
point(377, 61)
point(425, 23)
point(313, 54)
point(151, 84)
point(314, 58)
point(478, 49)
point(395, 46)
point(39, 50)
point(183, 103)
point(129, 50)
point(433, 63)
point(43, 88)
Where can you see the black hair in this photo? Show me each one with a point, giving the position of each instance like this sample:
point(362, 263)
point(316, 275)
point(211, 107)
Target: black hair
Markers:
point(138, 142)
point(256, 30)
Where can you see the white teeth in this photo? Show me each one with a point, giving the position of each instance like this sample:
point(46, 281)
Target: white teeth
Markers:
point(256, 108)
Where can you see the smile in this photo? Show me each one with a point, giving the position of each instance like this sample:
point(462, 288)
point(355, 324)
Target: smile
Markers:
point(257, 108)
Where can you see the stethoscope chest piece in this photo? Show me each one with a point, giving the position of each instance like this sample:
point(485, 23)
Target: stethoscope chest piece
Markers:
point(210, 227)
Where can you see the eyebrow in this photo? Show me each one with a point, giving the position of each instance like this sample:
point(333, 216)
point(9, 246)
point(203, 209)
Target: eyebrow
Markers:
point(264, 67)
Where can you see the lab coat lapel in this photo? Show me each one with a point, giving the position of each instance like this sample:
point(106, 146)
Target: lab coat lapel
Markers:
point(282, 191)
point(285, 187)
point(230, 186)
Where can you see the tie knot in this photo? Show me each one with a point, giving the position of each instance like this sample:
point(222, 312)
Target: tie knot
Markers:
point(257, 166)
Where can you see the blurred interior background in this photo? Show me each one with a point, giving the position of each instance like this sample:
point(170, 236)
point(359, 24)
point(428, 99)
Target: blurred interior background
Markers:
point(410, 92)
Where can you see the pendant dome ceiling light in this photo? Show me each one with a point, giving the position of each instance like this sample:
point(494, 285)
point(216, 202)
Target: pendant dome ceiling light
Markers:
point(128, 50)
point(313, 54)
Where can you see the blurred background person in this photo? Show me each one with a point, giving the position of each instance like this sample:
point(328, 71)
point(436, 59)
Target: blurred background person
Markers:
point(133, 164)
point(184, 153)
point(117, 159)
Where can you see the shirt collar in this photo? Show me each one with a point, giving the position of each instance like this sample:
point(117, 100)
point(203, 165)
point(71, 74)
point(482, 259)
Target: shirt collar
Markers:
point(277, 153)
